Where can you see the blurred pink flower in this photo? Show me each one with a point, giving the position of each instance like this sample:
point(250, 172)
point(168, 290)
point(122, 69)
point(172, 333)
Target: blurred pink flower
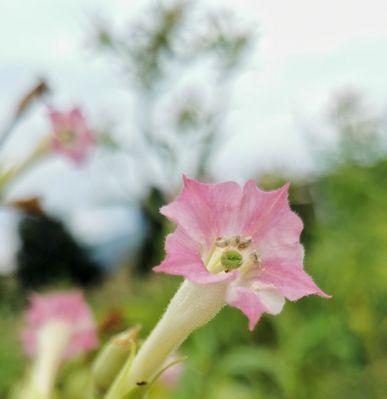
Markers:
point(171, 376)
point(71, 134)
point(245, 237)
point(67, 309)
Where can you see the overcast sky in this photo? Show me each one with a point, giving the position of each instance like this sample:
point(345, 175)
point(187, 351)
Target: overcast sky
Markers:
point(308, 50)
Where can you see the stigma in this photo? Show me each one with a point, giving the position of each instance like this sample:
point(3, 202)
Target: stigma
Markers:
point(231, 253)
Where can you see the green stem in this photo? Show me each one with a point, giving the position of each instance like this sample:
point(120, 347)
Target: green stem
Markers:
point(12, 173)
point(119, 388)
point(192, 307)
point(52, 342)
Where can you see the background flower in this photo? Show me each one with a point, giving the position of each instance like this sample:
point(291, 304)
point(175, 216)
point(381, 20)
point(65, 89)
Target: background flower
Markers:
point(71, 134)
point(69, 308)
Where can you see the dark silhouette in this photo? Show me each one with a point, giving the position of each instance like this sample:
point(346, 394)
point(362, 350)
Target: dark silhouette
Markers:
point(49, 254)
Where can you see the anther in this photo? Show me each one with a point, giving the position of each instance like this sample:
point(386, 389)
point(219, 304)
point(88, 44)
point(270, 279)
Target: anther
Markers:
point(235, 240)
point(244, 242)
point(222, 242)
point(255, 258)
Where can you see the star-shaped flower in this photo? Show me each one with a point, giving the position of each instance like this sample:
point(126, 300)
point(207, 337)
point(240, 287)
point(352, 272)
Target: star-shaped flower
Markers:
point(245, 237)
point(71, 135)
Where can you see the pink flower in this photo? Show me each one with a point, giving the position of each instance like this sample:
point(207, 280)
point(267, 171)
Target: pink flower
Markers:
point(67, 310)
point(171, 376)
point(246, 237)
point(71, 135)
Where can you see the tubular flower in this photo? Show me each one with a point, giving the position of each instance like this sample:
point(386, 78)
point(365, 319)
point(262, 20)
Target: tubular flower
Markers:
point(58, 326)
point(66, 308)
point(172, 375)
point(244, 237)
point(71, 135)
point(236, 246)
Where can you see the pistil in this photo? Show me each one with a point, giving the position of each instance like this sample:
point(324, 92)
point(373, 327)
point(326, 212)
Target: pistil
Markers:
point(228, 253)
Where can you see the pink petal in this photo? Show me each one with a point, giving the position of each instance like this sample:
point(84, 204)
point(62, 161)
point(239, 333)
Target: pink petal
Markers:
point(82, 342)
point(205, 210)
point(279, 237)
point(69, 307)
point(253, 303)
point(291, 280)
point(71, 121)
point(76, 119)
point(183, 259)
point(171, 376)
point(258, 208)
point(57, 119)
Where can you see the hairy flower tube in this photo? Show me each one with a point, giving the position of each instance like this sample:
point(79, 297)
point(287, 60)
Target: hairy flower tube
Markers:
point(233, 245)
point(71, 135)
point(58, 326)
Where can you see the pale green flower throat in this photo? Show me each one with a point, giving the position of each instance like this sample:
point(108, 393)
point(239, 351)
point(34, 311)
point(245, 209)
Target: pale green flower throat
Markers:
point(230, 253)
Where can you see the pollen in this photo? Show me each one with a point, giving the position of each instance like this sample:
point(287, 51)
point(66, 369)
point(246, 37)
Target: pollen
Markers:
point(228, 253)
point(235, 240)
point(222, 242)
point(244, 242)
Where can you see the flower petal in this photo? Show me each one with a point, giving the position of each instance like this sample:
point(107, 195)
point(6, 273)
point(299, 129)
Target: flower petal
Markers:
point(68, 307)
point(279, 237)
point(271, 298)
point(255, 302)
point(257, 208)
point(71, 122)
point(183, 259)
point(76, 119)
point(291, 280)
point(57, 119)
point(205, 210)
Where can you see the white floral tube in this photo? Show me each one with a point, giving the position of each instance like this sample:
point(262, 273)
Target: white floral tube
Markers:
point(192, 307)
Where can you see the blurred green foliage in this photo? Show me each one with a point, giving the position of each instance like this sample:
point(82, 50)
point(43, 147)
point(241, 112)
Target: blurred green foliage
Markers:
point(315, 348)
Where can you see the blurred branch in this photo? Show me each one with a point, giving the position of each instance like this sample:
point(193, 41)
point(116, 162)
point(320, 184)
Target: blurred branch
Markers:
point(10, 174)
point(24, 105)
point(359, 130)
point(158, 52)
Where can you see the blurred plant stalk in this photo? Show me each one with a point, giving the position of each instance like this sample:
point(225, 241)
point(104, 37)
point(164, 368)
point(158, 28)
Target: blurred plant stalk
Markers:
point(52, 342)
point(112, 359)
point(149, 52)
point(42, 149)
point(192, 307)
point(37, 92)
point(11, 174)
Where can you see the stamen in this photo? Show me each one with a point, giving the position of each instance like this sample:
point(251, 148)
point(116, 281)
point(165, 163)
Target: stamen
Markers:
point(222, 242)
point(244, 242)
point(67, 136)
point(235, 240)
point(255, 258)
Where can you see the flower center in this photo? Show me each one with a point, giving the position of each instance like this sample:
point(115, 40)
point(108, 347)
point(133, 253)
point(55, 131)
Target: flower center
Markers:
point(67, 137)
point(230, 253)
point(231, 259)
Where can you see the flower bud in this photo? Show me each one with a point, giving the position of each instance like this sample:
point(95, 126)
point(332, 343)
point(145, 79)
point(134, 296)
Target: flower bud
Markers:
point(112, 358)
